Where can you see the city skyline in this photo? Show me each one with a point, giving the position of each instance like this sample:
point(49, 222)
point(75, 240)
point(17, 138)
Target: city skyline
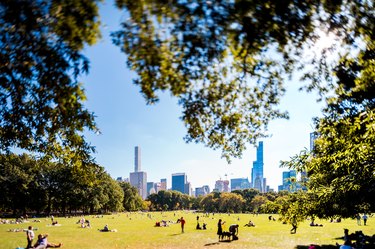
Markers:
point(179, 181)
point(125, 120)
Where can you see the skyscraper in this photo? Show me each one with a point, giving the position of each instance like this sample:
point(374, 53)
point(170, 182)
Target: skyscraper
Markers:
point(257, 170)
point(239, 183)
point(138, 178)
point(137, 159)
point(202, 191)
point(178, 182)
point(222, 186)
point(163, 184)
point(289, 183)
point(151, 188)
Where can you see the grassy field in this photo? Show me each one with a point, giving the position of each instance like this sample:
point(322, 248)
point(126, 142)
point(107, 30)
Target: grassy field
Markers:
point(136, 230)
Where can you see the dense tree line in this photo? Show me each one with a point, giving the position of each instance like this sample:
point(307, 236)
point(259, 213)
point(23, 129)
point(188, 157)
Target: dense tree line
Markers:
point(28, 184)
point(238, 201)
point(170, 200)
point(31, 185)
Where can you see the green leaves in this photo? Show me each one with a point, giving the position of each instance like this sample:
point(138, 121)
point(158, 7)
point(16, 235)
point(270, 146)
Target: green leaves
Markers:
point(30, 184)
point(41, 101)
point(227, 62)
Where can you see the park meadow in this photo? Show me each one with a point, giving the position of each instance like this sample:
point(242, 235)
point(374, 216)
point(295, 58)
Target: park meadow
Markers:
point(137, 230)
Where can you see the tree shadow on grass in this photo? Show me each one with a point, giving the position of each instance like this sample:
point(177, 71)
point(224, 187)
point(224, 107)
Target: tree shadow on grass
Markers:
point(317, 247)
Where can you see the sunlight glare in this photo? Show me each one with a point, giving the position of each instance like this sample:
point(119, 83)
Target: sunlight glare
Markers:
point(325, 41)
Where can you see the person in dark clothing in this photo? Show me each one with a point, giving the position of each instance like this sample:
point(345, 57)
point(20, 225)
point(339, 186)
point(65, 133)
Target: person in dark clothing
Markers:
point(294, 226)
point(220, 228)
point(233, 229)
point(182, 221)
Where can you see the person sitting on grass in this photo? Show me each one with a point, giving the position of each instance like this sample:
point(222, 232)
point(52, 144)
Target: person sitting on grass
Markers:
point(250, 224)
point(105, 229)
point(42, 243)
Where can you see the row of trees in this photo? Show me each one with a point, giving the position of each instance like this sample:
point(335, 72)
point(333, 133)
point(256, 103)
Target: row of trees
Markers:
point(31, 185)
point(28, 184)
point(238, 201)
point(35, 185)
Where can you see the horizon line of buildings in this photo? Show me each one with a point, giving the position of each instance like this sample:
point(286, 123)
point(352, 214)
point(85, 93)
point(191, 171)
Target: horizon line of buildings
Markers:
point(138, 178)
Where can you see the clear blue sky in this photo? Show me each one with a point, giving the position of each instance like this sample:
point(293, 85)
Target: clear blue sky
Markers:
point(126, 121)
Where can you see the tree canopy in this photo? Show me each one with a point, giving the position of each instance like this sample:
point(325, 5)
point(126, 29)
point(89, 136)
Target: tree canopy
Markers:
point(41, 100)
point(28, 184)
point(227, 61)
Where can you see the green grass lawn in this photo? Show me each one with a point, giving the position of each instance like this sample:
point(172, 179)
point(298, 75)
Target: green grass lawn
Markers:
point(136, 230)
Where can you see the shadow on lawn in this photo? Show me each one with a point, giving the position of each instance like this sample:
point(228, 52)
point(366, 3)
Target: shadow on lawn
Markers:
point(317, 247)
point(212, 244)
point(217, 243)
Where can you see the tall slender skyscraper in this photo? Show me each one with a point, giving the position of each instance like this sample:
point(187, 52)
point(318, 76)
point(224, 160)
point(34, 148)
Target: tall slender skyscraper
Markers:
point(138, 178)
point(137, 159)
point(257, 171)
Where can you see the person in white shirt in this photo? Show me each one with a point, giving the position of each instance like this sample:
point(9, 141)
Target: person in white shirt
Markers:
point(30, 237)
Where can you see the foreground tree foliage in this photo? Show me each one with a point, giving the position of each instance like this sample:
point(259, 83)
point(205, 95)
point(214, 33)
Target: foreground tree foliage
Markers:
point(41, 100)
point(341, 167)
point(227, 61)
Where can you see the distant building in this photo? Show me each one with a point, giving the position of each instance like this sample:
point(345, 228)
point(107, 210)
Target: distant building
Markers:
point(137, 159)
point(257, 179)
point(288, 178)
point(199, 192)
point(138, 178)
point(150, 188)
point(188, 190)
point(163, 184)
point(179, 180)
point(265, 186)
point(222, 186)
point(122, 179)
point(202, 191)
point(239, 183)
point(157, 187)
